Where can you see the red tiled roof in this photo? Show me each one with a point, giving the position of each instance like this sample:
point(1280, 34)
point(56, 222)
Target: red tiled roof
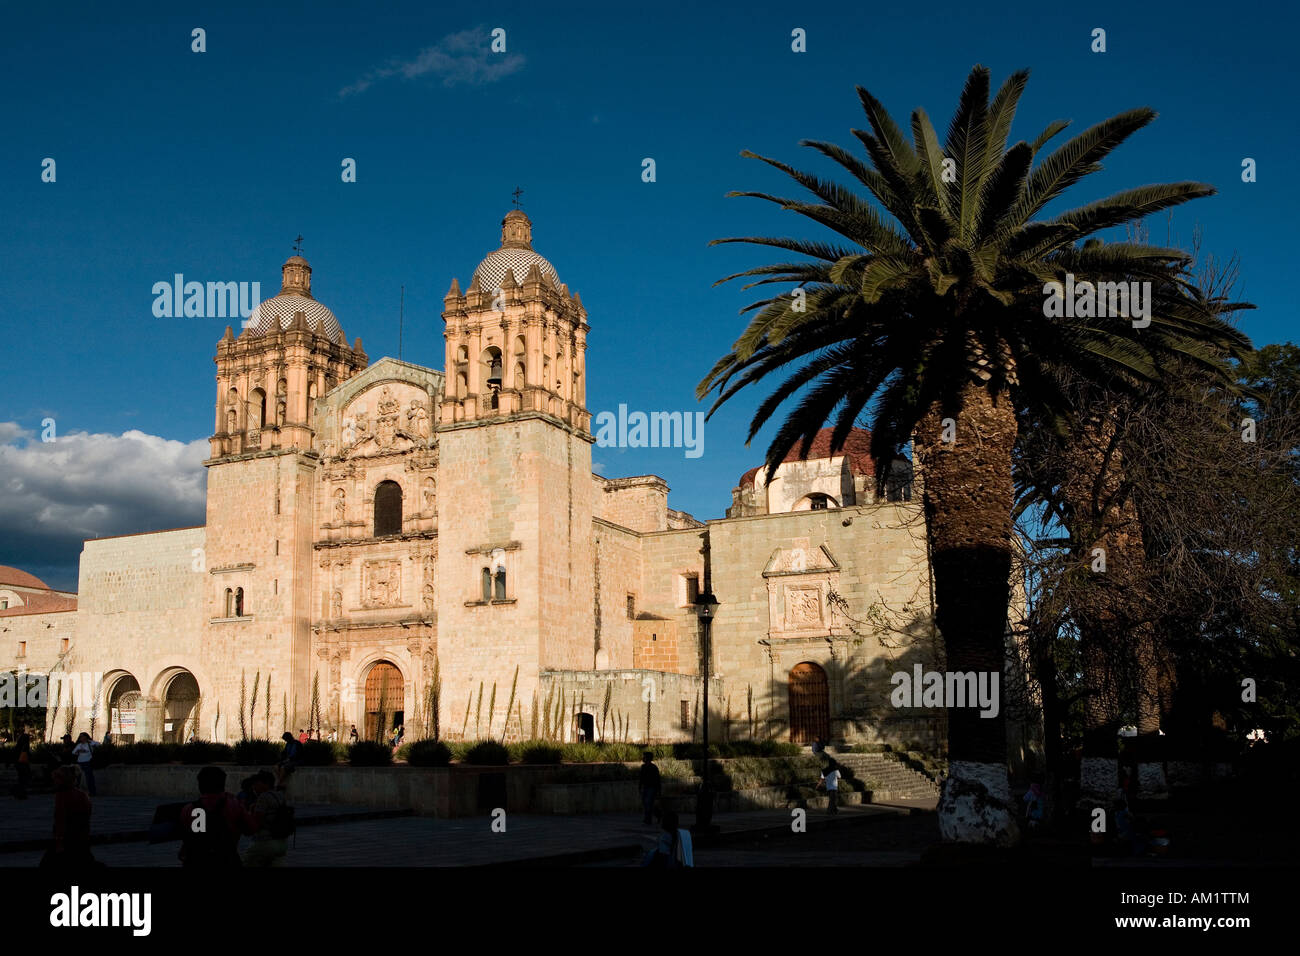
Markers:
point(41, 604)
point(857, 446)
point(20, 579)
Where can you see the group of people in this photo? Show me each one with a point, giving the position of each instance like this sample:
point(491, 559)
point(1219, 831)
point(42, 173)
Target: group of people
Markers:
point(674, 846)
point(75, 757)
point(332, 736)
point(212, 825)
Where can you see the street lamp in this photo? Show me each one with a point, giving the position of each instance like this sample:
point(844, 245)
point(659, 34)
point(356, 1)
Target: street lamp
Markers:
point(706, 605)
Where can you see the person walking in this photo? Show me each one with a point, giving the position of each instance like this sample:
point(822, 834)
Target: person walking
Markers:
point(650, 784)
point(23, 758)
point(352, 735)
point(84, 752)
point(71, 847)
point(831, 782)
point(1034, 806)
point(270, 819)
point(289, 762)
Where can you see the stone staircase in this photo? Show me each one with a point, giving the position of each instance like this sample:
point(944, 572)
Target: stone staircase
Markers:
point(888, 778)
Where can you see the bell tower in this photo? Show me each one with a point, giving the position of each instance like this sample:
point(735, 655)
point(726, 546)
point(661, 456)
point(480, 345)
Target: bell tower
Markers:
point(514, 439)
point(262, 482)
point(269, 378)
point(516, 340)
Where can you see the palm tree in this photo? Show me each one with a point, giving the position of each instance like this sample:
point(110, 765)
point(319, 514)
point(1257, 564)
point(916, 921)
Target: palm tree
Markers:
point(934, 326)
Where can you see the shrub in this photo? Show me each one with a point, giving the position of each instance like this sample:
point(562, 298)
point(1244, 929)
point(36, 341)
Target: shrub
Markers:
point(146, 752)
point(488, 753)
point(621, 753)
point(368, 753)
point(318, 753)
point(427, 753)
point(47, 753)
point(256, 752)
point(536, 751)
point(581, 753)
point(459, 748)
point(205, 752)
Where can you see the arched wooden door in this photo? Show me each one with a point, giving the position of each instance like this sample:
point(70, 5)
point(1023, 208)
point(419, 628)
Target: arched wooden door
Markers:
point(384, 700)
point(810, 704)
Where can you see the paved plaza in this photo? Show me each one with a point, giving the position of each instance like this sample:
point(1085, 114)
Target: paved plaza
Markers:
point(360, 836)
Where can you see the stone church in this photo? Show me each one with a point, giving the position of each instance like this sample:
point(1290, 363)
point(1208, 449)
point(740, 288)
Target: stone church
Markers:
point(392, 544)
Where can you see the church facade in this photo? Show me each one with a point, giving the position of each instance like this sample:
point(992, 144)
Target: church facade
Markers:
point(391, 544)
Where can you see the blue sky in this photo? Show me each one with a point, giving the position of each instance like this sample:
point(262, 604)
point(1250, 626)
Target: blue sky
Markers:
point(209, 164)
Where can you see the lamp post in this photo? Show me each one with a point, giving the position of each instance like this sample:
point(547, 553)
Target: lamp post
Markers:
point(706, 605)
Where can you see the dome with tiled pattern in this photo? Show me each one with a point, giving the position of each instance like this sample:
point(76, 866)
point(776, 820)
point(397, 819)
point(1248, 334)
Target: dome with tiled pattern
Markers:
point(279, 311)
point(515, 257)
point(276, 314)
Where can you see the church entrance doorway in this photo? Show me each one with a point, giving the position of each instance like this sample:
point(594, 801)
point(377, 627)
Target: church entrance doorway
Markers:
point(181, 708)
point(384, 701)
point(123, 704)
point(810, 706)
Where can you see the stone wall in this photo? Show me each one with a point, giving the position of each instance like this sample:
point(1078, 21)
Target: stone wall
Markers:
point(675, 704)
point(773, 576)
point(141, 601)
point(34, 642)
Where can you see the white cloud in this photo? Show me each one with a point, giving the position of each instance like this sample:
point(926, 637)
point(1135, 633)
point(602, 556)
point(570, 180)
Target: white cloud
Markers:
point(55, 494)
point(458, 58)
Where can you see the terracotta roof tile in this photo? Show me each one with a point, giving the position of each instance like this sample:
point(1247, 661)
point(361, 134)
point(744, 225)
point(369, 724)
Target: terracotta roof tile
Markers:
point(41, 604)
point(20, 579)
point(857, 446)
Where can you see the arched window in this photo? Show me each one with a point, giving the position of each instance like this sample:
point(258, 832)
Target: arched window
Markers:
point(230, 602)
point(388, 509)
point(487, 584)
point(817, 502)
point(239, 602)
point(520, 357)
point(501, 583)
point(256, 409)
point(311, 404)
point(281, 402)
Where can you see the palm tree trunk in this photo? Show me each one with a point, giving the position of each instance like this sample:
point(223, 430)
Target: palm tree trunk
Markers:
point(967, 496)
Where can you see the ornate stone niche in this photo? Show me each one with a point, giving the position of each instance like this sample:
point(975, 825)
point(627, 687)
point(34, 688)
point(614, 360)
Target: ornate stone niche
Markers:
point(381, 583)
